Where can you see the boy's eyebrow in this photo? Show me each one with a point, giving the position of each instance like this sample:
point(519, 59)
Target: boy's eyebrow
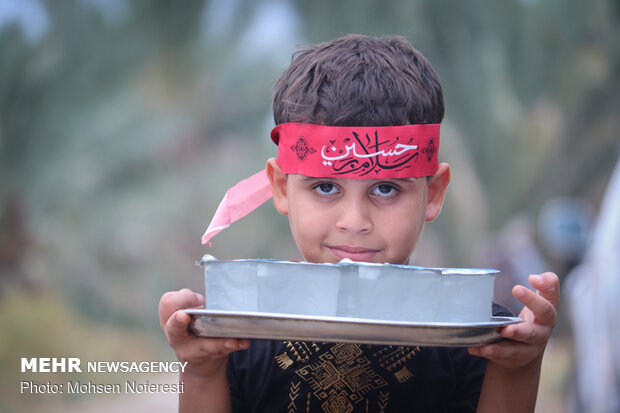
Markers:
point(411, 179)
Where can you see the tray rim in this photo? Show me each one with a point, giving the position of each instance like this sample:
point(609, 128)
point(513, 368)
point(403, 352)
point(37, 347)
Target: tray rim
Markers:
point(495, 321)
point(391, 332)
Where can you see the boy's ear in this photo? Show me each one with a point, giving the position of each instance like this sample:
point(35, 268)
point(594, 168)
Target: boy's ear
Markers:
point(437, 186)
point(278, 185)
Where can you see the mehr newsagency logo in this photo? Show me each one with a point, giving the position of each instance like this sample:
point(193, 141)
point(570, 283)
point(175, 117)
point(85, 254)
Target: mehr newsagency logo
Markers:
point(76, 365)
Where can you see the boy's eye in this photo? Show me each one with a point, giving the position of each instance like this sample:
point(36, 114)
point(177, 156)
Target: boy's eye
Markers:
point(326, 188)
point(384, 190)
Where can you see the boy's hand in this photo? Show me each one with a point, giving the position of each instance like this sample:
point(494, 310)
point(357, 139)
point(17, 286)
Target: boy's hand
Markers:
point(206, 357)
point(527, 340)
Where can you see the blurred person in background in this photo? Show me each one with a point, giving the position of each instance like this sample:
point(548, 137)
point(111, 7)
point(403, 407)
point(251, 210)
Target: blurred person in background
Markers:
point(593, 296)
point(515, 253)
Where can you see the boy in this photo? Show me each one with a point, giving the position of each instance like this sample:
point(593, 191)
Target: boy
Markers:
point(357, 175)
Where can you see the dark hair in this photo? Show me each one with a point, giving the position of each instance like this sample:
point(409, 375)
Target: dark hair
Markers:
point(358, 80)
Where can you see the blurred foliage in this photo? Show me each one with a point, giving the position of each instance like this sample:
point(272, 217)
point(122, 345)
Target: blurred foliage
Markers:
point(122, 123)
point(45, 325)
point(532, 90)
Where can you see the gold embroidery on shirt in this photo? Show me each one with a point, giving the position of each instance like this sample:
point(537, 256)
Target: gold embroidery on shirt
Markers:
point(300, 350)
point(284, 361)
point(403, 375)
point(383, 400)
point(345, 353)
point(293, 393)
point(391, 358)
point(337, 403)
point(342, 368)
point(341, 375)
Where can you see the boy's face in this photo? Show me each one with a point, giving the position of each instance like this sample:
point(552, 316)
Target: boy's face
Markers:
point(360, 219)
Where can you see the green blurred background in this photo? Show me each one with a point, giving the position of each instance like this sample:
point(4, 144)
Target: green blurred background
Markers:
point(123, 122)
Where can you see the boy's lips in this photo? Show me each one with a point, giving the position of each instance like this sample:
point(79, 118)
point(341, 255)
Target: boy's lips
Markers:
point(352, 252)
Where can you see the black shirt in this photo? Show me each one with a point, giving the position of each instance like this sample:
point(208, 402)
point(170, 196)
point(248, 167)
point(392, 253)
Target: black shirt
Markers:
point(276, 376)
point(292, 376)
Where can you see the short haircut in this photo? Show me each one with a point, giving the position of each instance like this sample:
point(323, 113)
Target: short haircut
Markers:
point(359, 80)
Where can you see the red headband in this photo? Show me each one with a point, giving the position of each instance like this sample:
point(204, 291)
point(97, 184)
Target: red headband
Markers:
point(362, 152)
point(358, 152)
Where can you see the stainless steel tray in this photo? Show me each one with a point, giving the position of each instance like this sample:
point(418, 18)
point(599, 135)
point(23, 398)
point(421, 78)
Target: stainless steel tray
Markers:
point(349, 289)
point(255, 325)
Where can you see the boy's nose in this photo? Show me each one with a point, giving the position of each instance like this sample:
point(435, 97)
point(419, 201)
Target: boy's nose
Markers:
point(354, 217)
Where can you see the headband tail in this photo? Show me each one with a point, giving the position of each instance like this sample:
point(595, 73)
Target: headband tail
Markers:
point(239, 201)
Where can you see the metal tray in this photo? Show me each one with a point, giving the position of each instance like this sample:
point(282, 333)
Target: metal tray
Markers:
point(349, 289)
point(255, 325)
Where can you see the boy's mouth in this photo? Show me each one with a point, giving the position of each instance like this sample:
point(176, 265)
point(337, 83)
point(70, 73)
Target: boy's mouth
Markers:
point(352, 252)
